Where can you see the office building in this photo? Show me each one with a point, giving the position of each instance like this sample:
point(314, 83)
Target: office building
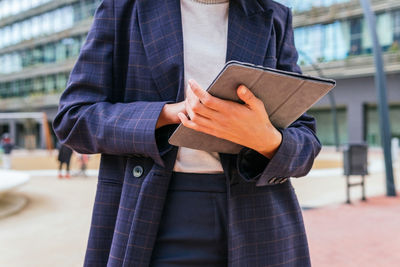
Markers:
point(39, 43)
point(41, 39)
point(333, 40)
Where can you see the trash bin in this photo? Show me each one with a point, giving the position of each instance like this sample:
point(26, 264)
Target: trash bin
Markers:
point(355, 159)
point(355, 162)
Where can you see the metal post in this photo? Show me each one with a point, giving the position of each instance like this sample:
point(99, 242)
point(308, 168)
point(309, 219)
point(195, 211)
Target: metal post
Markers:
point(335, 119)
point(380, 84)
point(331, 99)
point(348, 189)
point(363, 188)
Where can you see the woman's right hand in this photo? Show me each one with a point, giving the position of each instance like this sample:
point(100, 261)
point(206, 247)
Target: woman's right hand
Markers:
point(169, 114)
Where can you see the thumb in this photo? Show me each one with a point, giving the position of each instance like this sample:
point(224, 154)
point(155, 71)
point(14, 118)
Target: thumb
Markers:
point(247, 97)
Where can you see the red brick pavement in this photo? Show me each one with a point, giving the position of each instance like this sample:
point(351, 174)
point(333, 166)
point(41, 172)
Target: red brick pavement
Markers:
point(359, 235)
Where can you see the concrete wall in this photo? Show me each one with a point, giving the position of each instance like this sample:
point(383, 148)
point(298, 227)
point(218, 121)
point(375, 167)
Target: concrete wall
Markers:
point(354, 94)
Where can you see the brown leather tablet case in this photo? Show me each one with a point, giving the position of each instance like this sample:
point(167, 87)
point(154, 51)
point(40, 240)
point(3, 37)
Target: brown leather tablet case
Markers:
point(286, 97)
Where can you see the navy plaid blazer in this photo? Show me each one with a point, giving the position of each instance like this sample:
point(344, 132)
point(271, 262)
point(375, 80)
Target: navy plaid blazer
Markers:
point(130, 66)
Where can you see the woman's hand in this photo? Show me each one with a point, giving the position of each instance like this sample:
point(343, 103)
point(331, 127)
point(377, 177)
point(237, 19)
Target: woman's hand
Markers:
point(245, 124)
point(169, 114)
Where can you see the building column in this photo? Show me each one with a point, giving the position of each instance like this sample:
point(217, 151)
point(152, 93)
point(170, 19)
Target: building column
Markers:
point(42, 133)
point(12, 128)
point(355, 121)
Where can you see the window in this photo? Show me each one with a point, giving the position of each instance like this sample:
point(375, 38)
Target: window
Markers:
point(372, 123)
point(47, 27)
point(26, 32)
point(7, 35)
point(61, 52)
point(26, 87)
point(309, 43)
point(306, 5)
point(61, 81)
point(3, 91)
point(38, 85)
point(384, 28)
point(49, 53)
point(43, 54)
point(326, 133)
point(14, 90)
point(72, 46)
point(37, 55)
point(396, 27)
point(21, 89)
point(44, 24)
point(27, 58)
point(50, 84)
point(355, 36)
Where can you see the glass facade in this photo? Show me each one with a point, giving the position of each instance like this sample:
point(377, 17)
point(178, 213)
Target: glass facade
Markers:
point(12, 7)
point(325, 130)
point(372, 124)
point(396, 28)
point(47, 23)
point(306, 5)
point(44, 54)
point(344, 38)
point(33, 55)
point(47, 84)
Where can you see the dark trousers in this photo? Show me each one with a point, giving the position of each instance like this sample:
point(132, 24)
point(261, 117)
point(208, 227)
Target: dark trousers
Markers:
point(193, 228)
point(61, 164)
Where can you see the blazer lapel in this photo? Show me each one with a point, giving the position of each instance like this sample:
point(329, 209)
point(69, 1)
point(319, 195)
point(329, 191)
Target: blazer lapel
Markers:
point(161, 30)
point(249, 30)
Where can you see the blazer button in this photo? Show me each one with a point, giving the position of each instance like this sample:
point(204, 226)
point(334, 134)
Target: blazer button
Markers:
point(137, 171)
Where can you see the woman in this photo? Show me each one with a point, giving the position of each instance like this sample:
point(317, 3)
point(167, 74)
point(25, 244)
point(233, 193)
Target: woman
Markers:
point(64, 157)
point(141, 72)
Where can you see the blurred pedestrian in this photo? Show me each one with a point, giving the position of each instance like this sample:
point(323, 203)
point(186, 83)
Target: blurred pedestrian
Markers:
point(64, 157)
point(7, 147)
point(83, 161)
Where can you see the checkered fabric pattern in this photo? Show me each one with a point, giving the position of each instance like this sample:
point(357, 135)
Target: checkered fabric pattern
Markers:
point(129, 67)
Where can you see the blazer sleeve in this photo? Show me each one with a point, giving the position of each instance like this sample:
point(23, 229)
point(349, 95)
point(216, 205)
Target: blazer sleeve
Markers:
point(300, 145)
point(90, 119)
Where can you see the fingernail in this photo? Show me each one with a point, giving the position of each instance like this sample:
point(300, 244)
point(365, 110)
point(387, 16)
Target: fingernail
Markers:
point(242, 90)
point(192, 83)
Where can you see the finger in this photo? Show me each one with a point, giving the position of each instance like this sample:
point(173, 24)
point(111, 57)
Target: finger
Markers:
point(192, 124)
point(195, 107)
point(198, 118)
point(189, 109)
point(248, 97)
point(197, 127)
point(220, 133)
point(191, 98)
point(204, 97)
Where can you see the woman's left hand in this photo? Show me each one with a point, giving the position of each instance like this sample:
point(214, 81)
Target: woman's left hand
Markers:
point(246, 124)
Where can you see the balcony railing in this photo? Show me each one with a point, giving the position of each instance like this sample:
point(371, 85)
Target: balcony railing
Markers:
point(340, 11)
point(356, 66)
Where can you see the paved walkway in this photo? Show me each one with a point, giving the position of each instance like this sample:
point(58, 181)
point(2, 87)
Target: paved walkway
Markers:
point(57, 220)
point(364, 234)
point(9, 182)
point(53, 228)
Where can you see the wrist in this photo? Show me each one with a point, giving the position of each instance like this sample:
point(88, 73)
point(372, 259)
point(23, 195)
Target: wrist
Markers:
point(271, 147)
point(162, 119)
point(167, 116)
